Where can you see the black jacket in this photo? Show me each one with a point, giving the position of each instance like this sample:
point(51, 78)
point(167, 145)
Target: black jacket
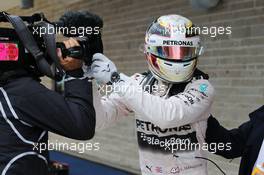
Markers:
point(246, 140)
point(28, 110)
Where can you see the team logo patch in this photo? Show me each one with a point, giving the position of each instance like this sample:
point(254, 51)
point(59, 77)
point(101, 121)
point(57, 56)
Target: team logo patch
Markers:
point(203, 87)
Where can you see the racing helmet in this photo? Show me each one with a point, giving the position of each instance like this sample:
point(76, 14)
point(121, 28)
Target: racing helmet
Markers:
point(172, 48)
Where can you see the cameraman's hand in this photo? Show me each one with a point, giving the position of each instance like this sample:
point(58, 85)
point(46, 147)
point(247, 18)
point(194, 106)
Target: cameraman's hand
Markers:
point(102, 68)
point(69, 63)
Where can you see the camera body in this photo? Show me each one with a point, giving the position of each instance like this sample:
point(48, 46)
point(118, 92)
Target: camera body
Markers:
point(85, 51)
point(24, 47)
point(89, 37)
point(14, 56)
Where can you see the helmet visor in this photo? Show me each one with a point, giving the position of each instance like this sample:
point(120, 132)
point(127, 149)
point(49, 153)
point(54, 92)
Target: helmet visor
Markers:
point(174, 53)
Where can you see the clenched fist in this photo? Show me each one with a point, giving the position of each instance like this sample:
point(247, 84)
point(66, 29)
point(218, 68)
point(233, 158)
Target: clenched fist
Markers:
point(102, 68)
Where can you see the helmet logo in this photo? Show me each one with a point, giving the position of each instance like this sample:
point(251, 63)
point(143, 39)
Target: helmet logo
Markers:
point(178, 43)
point(203, 87)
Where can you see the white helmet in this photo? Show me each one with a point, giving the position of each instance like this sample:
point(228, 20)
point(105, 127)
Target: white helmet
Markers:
point(172, 48)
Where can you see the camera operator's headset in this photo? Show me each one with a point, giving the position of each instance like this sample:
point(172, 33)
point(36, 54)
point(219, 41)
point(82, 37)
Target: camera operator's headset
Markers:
point(53, 70)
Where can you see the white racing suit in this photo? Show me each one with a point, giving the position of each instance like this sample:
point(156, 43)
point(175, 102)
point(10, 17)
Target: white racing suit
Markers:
point(165, 122)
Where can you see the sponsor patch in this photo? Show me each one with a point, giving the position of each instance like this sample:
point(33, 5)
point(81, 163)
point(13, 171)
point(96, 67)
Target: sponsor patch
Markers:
point(203, 87)
point(177, 43)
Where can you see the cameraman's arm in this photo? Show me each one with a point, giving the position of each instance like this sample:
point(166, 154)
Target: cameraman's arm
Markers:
point(72, 115)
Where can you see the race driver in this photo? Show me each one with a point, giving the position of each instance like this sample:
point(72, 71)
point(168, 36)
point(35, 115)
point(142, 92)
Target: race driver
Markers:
point(171, 102)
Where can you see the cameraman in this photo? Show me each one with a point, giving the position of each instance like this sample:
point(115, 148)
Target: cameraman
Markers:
point(28, 110)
